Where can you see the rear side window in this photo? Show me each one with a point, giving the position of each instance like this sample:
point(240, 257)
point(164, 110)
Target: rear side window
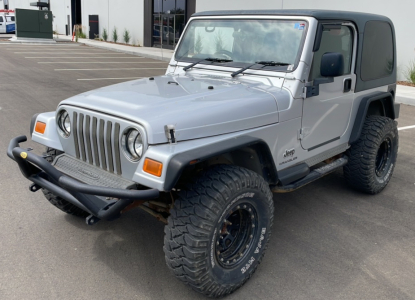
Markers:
point(1, 19)
point(10, 19)
point(378, 53)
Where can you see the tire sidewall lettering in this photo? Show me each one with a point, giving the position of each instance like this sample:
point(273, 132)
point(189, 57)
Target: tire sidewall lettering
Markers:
point(257, 247)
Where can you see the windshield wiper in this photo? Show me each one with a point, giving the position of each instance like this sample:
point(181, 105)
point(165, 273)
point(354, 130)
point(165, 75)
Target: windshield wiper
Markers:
point(214, 59)
point(263, 63)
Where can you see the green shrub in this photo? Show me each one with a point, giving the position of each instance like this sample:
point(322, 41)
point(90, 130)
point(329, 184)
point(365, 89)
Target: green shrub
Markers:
point(115, 35)
point(126, 36)
point(410, 72)
point(105, 34)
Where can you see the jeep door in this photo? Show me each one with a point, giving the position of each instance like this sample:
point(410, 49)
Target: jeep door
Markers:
point(326, 114)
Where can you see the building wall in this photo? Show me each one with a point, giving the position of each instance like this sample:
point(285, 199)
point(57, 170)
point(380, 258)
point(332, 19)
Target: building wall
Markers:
point(399, 11)
point(122, 14)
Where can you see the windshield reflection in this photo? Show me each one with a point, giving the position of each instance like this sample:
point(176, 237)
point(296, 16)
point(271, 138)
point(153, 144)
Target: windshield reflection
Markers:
point(243, 41)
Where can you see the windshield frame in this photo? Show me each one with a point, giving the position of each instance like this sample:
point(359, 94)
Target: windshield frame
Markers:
point(238, 65)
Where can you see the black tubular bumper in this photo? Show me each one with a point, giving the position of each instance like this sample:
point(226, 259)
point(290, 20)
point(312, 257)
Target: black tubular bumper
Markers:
point(44, 175)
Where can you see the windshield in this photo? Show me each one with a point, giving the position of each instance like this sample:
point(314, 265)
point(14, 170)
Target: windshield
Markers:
point(244, 42)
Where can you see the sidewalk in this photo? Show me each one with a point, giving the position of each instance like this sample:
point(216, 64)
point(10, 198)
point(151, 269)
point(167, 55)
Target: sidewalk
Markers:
point(405, 94)
point(150, 52)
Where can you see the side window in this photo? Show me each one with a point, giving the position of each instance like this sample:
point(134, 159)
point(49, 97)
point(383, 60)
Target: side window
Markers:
point(1, 19)
point(338, 40)
point(377, 55)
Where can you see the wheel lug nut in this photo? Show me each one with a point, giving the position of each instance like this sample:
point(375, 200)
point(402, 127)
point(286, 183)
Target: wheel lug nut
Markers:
point(249, 209)
point(253, 226)
point(251, 236)
point(244, 206)
point(217, 243)
point(218, 252)
point(221, 259)
point(238, 207)
point(234, 260)
point(227, 262)
point(247, 246)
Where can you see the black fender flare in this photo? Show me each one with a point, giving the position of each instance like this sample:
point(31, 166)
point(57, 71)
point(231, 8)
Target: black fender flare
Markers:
point(387, 101)
point(180, 161)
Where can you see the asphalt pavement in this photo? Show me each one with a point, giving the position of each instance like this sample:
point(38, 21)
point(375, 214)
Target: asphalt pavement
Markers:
point(328, 241)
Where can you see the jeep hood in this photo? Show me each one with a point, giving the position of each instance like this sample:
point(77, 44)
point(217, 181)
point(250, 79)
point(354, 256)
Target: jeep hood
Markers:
point(197, 106)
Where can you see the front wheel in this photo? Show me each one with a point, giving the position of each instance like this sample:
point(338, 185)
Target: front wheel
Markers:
point(372, 158)
point(218, 230)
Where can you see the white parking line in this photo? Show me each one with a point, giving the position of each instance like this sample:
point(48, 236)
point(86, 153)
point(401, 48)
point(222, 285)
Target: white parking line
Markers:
point(89, 79)
point(64, 52)
point(48, 49)
point(132, 57)
point(102, 62)
point(110, 69)
point(406, 127)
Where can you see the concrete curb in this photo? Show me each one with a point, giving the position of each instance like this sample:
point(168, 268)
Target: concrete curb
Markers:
point(18, 40)
point(149, 52)
point(405, 94)
point(405, 100)
point(126, 51)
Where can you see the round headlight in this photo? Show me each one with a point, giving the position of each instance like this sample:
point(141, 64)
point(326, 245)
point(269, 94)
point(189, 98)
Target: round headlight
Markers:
point(64, 123)
point(132, 142)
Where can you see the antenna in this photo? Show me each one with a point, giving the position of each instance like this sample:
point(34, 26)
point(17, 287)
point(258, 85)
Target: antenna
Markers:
point(161, 28)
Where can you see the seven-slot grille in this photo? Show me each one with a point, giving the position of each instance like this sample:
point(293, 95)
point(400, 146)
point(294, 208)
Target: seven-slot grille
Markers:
point(97, 141)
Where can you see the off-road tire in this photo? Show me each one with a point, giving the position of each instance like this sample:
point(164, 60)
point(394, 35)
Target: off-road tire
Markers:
point(366, 171)
point(60, 203)
point(195, 227)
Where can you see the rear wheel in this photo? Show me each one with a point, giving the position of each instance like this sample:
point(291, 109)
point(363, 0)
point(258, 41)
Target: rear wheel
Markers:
point(372, 158)
point(56, 201)
point(218, 230)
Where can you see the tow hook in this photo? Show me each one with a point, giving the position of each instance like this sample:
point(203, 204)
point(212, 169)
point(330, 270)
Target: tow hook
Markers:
point(92, 220)
point(34, 187)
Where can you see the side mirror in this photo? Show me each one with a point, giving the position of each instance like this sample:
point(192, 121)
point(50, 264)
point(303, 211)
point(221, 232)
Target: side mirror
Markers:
point(332, 64)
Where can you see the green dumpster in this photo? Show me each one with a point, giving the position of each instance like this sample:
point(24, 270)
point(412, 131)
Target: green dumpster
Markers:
point(35, 24)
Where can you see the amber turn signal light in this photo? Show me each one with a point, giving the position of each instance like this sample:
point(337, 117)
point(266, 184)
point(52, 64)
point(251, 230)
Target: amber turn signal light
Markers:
point(153, 167)
point(40, 127)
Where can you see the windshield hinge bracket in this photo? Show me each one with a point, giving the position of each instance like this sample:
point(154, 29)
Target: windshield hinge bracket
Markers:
point(300, 134)
point(170, 131)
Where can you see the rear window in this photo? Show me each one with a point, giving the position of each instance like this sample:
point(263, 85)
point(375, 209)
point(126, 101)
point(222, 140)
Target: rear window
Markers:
point(378, 52)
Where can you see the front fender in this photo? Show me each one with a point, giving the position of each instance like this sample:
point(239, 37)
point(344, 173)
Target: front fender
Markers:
point(176, 157)
point(50, 138)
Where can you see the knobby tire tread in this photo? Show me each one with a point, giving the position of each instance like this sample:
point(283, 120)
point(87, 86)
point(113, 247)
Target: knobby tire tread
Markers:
point(359, 171)
point(192, 219)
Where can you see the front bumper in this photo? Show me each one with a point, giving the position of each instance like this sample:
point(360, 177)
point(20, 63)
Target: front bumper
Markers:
point(44, 175)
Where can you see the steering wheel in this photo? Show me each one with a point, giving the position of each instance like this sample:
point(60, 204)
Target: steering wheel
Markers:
point(225, 54)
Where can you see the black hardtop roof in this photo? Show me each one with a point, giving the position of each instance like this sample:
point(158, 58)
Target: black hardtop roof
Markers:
point(358, 18)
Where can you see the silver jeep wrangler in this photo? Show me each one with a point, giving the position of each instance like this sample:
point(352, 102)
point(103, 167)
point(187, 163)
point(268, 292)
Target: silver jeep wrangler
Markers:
point(253, 102)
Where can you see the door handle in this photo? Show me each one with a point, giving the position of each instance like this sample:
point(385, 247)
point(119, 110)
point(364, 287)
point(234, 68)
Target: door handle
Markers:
point(347, 85)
